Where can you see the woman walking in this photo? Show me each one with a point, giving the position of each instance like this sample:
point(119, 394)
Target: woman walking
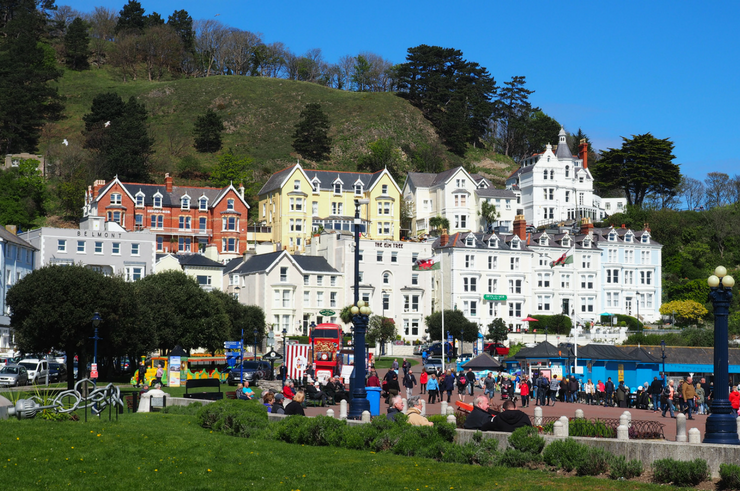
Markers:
point(433, 389)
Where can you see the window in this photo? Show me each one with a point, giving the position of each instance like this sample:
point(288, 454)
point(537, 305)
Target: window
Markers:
point(545, 175)
point(114, 216)
point(469, 284)
point(185, 223)
point(384, 189)
point(645, 239)
point(184, 244)
point(586, 261)
point(612, 276)
point(492, 309)
point(543, 303)
point(333, 281)
point(587, 281)
point(492, 262)
point(587, 304)
point(460, 199)
point(469, 261)
point(202, 223)
point(514, 263)
point(134, 273)
point(315, 208)
point(115, 199)
point(319, 299)
point(230, 205)
point(306, 299)
point(470, 308)
point(337, 188)
point(386, 301)
point(98, 248)
point(460, 183)
point(612, 255)
point(629, 257)
point(415, 279)
point(306, 280)
point(138, 221)
point(515, 286)
point(543, 280)
point(645, 257)
point(628, 237)
point(160, 244)
point(629, 276)
point(319, 280)
point(315, 185)
point(567, 196)
point(116, 248)
point(361, 255)
point(134, 249)
point(81, 246)
point(365, 297)
point(470, 240)
point(565, 281)
point(336, 208)
point(515, 309)
point(157, 221)
point(286, 299)
point(461, 221)
point(139, 199)
point(332, 299)
point(544, 259)
point(297, 185)
point(204, 280)
point(230, 244)
point(414, 303)
point(283, 274)
point(384, 208)
point(394, 257)
point(492, 285)
point(567, 171)
point(157, 200)
point(358, 189)
point(384, 228)
point(379, 256)
point(646, 277)
point(203, 203)
point(185, 203)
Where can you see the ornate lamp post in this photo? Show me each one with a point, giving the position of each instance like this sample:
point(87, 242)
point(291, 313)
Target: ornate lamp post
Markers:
point(285, 355)
point(360, 318)
point(95, 322)
point(256, 332)
point(662, 354)
point(721, 424)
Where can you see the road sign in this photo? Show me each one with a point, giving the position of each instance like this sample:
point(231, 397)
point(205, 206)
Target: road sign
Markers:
point(233, 345)
point(327, 313)
point(494, 298)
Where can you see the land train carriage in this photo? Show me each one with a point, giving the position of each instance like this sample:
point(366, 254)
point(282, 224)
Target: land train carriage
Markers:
point(196, 367)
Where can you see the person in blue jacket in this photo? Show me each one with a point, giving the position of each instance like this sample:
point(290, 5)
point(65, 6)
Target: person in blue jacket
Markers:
point(433, 389)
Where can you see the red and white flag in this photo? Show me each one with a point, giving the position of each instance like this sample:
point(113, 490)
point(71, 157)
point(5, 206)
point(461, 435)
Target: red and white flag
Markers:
point(297, 361)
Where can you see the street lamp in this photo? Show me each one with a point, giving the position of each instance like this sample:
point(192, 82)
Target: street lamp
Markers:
point(256, 331)
point(721, 424)
point(95, 322)
point(285, 356)
point(569, 352)
point(360, 318)
point(662, 354)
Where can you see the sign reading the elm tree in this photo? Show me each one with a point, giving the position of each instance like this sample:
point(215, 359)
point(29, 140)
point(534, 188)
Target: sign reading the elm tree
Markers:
point(327, 313)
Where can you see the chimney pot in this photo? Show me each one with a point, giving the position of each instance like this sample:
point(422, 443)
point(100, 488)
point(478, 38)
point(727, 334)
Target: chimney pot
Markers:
point(520, 227)
point(583, 152)
point(444, 238)
point(168, 183)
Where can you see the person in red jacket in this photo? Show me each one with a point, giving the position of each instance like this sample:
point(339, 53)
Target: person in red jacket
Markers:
point(423, 379)
point(524, 392)
point(735, 399)
point(288, 391)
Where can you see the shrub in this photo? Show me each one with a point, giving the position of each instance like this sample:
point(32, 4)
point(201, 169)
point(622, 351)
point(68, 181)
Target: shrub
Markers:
point(730, 474)
point(620, 468)
point(486, 452)
point(584, 427)
point(318, 431)
point(566, 454)
point(516, 458)
point(680, 473)
point(189, 410)
point(437, 418)
point(596, 462)
point(527, 439)
point(238, 418)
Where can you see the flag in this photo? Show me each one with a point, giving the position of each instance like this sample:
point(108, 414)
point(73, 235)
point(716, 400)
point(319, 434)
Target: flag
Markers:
point(566, 258)
point(297, 360)
point(427, 264)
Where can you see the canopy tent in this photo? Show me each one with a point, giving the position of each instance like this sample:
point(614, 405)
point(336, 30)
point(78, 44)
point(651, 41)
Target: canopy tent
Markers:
point(482, 362)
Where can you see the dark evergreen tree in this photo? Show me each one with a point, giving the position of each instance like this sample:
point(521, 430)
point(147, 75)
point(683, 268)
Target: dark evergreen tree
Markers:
point(181, 22)
point(512, 112)
point(208, 129)
point(537, 130)
point(311, 138)
point(27, 100)
point(643, 165)
point(131, 18)
point(106, 108)
point(452, 93)
point(153, 19)
point(77, 45)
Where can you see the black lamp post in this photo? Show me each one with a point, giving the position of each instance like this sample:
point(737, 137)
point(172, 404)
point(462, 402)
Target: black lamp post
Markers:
point(360, 318)
point(721, 424)
point(662, 354)
point(95, 322)
point(545, 333)
point(569, 352)
point(285, 355)
point(256, 332)
point(241, 359)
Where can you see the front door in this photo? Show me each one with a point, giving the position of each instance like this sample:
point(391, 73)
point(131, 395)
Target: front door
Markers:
point(628, 305)
point(566, 306)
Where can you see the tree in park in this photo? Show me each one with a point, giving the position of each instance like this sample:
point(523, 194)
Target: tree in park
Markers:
point(77, 45)
point(489, 213)
point(27, 66)
point(208, 129)
point(311, 138)
point(71, 295)
point(455, 323)
point(380, 330)
point(131, 18)
point(497, 331)
point(644, 165)
point(452, 93)
point(244, 319)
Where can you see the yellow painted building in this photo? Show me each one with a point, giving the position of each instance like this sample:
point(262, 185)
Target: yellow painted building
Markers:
point(296, 202)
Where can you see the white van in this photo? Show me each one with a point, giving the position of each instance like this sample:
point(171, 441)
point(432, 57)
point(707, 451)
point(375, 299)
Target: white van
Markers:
point(38, 370)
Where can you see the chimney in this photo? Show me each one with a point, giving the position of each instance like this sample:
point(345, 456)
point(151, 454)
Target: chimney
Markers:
point(586, 226)
point(444, 238)
point(168, 183)
point(646, 226)
point(583, 152)
point(241, 190)
point(97, 186)
point(520, 227)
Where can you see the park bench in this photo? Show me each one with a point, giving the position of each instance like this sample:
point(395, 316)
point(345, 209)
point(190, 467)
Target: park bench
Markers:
point(201, 384)
point(231, 394)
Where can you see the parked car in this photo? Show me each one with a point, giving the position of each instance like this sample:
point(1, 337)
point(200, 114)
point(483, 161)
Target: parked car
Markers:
point(37, 369)
point(436, 349)
point(432, 365)
point(253, 371)
point(13, 375)
point(6, 361)
point(57, 372)
point(496, 349)
point(419, 349)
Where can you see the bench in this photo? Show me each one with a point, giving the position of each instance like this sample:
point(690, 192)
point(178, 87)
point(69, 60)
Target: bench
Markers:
point(200, 384)
point(231, 394)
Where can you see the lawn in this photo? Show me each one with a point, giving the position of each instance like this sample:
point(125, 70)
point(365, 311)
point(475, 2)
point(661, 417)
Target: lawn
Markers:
point(170, 451)
point(387, 361)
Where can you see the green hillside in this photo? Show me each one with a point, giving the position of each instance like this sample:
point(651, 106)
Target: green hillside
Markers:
point(259, 115)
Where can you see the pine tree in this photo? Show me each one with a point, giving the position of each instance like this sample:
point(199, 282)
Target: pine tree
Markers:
point(311, 138)
point(208, 129)
point(27, 66)
point(181, 22)
point(512, 112)
point(131, 18)
point(76, 45)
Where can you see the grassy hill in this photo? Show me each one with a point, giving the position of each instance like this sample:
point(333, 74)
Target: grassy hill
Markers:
point(259, 115)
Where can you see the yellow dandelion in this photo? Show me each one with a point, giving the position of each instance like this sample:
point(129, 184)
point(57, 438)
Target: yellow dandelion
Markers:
point(98, 434)
point(156, 470)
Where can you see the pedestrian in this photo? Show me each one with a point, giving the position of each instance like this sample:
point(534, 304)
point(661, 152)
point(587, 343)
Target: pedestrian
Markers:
point(462, 384)
point(433, 389)
point(409, 381)
point(470, 376)
point(394, 365)
point(543, 386)
point(524, 393)
point(423, 379)
point(489, 385)
point(600, 392)
point(609, 391)
point(655, 389)
point(160, 374)
point(700, 399)
point(573, 387)
point(406, 366)
point(141, 379)
point(667, 398)
point(622, 394)
point(689, 396)
point(296, 405)
point(552, 394)
point(392, 386)
point(449, 386)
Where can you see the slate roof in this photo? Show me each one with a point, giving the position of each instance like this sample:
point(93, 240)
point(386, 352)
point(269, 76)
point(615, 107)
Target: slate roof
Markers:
point(480, 241)
point(326, 178)
point(197, 260)
point(7, 236)
point(315, 264)
point(495, 193)
point(543, 350)
point(421, 179)
point(605, 352)
point(168, 199)
point(644, 355)
point(232, 264)
point(258, 263)
point(262, 262)
point(482, 362)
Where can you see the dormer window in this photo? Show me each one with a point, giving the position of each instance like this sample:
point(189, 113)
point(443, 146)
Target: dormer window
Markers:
point(185, 202)
point(587, 243)
point(315, 185)
point(565, 242)
point(645, 239)
point(358, 189)
point(470, 241)
point(203, 203)
point(157, 200)
point(230, 204)
point(337, 187)
point(493, 243)
point(543, 241)
point(612, 236)
point(628, 237)
point(139, 199)
point(515, 243)
point(115, 199)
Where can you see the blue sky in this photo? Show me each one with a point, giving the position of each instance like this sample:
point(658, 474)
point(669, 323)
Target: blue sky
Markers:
point(611, 68)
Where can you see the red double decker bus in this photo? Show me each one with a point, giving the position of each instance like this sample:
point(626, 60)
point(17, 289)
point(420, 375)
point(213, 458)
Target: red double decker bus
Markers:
point(326, 345)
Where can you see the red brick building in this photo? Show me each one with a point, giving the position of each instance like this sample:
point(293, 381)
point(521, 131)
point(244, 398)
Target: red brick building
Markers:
point(184, 218)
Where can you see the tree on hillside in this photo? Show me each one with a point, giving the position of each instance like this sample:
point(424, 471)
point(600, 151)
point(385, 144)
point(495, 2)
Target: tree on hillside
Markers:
point(76, 45)
point(27, 66)
point(208, 129)
point(511, 111)
point(161, 51)
point(384, 154)
point(311, 138)
point(125, 55)
point(102, 26)
point(537, 130)
point(717, 189)
point(181, 22)
point(361, 74)
point(455, 323)
point(131, 18)
point(497, 331)
point(105, 107)
point(232, 169)
point(643, 165)
point(153, 20)
point(22, 195)
point(453, 93)
point(489, 213)
point(439, 223)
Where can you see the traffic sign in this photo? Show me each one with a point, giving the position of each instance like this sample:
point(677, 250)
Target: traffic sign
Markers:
point(494, 298)
point(233, 345)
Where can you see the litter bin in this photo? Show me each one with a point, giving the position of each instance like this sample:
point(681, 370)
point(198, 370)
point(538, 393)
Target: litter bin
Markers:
point(373, 397)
